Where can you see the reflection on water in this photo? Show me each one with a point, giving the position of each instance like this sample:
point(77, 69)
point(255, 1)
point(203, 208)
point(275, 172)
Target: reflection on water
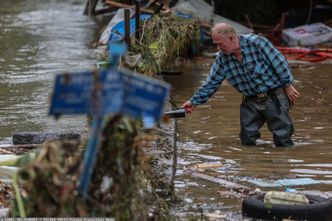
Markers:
point(37, 40)
point(216, 125)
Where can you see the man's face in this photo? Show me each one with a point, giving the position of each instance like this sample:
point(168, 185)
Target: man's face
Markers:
point(223, 43)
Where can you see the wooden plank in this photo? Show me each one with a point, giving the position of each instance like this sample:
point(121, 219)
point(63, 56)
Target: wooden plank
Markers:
point(121, 5)
point(105, 10)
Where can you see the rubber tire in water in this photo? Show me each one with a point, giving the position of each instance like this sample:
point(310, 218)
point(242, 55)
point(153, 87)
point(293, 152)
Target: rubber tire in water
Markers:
point(318, 209)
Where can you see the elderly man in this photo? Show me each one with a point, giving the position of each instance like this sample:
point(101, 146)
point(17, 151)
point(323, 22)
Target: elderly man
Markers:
point(261, 74)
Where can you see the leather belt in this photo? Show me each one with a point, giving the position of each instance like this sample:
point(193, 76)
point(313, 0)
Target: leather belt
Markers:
point(270, 93)
point(264, 94)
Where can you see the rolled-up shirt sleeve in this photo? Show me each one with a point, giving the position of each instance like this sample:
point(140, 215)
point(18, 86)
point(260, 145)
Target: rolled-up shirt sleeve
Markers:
point(277, 60)
point(211, 84)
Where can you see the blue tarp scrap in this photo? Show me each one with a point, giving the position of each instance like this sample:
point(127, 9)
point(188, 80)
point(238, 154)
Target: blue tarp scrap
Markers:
point(283, 182)
point(182, 15)
point(118, 31)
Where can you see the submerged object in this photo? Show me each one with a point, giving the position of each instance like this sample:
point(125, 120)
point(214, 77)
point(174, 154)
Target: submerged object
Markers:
point(175, 113)
point(284, 182)
point(317, 209)
point(40, 137)
point(284, 198)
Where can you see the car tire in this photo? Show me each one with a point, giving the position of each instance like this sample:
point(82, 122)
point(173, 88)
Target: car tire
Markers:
point(318, 209)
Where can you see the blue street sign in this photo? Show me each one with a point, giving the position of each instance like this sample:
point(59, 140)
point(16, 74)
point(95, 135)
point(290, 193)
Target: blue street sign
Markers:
point(109, 91)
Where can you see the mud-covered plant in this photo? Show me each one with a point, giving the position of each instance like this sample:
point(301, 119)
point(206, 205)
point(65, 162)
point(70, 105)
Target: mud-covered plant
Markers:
point(123, 184)
point(114, 180)
point(49, 183)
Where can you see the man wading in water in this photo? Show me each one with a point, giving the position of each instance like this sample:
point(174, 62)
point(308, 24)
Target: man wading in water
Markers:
point(261, 74)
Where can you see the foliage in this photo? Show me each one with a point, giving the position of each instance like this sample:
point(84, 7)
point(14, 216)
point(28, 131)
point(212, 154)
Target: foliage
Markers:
point(163, 39)
point(49, 182)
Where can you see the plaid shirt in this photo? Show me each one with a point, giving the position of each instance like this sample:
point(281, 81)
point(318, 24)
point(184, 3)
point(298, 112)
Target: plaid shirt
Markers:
point(263, 67)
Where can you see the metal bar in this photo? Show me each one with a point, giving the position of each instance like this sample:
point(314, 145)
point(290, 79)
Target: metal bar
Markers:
point(137, 18)
point(90, 7)
point(90, 156)
point(127, 27)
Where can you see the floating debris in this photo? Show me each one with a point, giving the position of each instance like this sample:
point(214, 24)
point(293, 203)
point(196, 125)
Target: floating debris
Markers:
point(284, 198)
point(325, 195)
point(283, 182)
point(48, 184)
point(163, 39)
point(208, 165)
point(225, 183)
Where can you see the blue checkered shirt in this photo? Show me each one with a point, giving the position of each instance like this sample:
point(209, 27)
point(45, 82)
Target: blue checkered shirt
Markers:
point(263, 67)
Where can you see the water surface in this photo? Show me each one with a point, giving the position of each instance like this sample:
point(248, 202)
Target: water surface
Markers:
point(211, 135)
point(39, 39)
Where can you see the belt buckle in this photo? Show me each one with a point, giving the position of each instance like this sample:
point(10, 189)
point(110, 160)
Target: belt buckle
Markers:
point(261, 95)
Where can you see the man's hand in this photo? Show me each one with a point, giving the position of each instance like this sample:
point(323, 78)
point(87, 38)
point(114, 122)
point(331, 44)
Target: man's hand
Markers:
point(292, 93)
point(188, 106)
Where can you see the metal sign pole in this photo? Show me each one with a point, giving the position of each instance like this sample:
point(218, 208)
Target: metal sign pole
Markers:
point(137, 18)
point(90, 156)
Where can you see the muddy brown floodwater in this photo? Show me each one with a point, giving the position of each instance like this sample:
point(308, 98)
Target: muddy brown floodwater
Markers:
point(39, 39)
point(210, 135)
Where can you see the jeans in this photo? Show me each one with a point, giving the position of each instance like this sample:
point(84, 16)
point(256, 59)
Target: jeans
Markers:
point(254, 112)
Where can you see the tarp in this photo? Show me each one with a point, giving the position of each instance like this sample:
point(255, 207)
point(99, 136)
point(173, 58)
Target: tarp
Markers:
point(114, 32)
point(283, 182)
point(204, 12)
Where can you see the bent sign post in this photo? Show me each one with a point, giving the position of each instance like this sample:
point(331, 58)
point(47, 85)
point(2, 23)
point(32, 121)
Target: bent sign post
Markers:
point(107, 92)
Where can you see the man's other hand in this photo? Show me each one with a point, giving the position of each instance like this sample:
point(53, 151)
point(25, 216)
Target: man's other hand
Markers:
point(292, 93)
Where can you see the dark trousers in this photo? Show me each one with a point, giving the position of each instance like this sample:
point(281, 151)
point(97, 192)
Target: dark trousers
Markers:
point(272, 109)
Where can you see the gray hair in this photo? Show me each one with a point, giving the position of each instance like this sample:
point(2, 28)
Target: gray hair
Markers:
point(224, 29)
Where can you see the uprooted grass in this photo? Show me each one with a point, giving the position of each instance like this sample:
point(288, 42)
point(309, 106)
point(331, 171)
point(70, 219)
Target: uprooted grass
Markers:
point(162, 40)
point(49, 183)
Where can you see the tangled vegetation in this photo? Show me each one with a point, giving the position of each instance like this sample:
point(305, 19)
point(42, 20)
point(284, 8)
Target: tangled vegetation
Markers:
point(49, 183)
point(162, 39)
